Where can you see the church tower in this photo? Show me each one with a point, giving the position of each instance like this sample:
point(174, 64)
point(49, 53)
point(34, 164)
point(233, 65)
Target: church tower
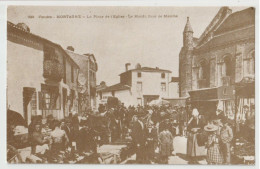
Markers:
point(188, 36)
point(185, 61)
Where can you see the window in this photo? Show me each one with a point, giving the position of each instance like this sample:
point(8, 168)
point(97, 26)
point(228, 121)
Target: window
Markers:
point(139, 87)
point(163, 75)
point(72, 74)
point(227, 66)
point(49, 101)
point(163, 87)
point(249, 64)
point(203, 70)
point(49, 98)
point(139, 74)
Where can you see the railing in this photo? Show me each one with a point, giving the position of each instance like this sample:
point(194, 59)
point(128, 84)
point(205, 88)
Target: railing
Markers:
point(52, 70)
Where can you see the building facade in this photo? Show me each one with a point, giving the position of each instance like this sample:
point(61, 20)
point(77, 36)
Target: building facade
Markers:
point(38, 74)
point(86, 79)
point(211, 65)
point(139, 86)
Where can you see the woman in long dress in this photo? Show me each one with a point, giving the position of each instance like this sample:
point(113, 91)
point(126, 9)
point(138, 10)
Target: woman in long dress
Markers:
point(195, 125)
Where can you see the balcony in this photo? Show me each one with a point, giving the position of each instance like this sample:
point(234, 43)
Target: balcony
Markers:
point(202, 83)
point(52, 70)
point(225, 81)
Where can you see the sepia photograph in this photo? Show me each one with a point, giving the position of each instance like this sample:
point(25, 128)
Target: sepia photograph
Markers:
point(131, 85)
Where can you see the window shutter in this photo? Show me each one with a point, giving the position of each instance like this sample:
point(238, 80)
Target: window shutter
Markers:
point(40, 100)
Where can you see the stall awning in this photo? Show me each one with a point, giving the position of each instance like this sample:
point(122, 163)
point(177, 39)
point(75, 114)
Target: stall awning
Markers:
point(203, 94)
point(212, 94)
point(246, 87)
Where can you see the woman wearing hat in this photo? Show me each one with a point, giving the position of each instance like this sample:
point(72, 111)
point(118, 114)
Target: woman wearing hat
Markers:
point(195, 124)
point(214, 155)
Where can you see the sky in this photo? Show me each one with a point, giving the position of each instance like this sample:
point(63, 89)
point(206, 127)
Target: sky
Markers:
point(152, 42)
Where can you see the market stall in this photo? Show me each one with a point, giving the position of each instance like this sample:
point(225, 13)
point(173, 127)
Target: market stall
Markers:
point(245, 120)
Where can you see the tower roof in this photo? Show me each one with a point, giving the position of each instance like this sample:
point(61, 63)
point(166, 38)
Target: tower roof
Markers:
point(188, 26)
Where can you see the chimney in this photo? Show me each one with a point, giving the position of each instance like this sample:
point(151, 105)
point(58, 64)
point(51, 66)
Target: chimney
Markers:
point(70, 48)
point(138, 66)
point(126, 66)
point(102, 83)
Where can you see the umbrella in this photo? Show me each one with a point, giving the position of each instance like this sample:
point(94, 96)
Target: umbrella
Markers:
point(159, 102)
point(15, 118)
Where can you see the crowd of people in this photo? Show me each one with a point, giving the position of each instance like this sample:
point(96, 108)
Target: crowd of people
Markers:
point(151, 129)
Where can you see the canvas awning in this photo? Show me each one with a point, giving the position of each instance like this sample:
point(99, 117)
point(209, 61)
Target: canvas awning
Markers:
point(246, 87)
point(213, 94)
point(203, 94)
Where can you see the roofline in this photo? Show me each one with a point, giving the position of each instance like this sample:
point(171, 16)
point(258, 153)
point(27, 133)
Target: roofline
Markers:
point(207, 29)
point(107, 90)
point(140, 70)
point(104, 90)
point(42, 39)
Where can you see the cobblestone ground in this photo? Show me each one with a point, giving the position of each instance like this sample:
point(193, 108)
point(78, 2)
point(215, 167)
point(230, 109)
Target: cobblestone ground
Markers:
point(180, 147)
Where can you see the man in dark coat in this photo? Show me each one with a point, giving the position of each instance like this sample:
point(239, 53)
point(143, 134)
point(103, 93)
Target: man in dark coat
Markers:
point(86, 141)
point(151, 141)
point(115, 128)
point(138, 139)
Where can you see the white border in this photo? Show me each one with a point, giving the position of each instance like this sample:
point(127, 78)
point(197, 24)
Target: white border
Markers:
point(3, 52)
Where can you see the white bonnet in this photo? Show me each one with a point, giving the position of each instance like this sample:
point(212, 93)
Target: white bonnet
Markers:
point(195, 112)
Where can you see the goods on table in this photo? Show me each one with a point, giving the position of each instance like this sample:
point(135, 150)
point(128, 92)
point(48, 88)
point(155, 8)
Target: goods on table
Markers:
point(110, 154)
point(245, 150)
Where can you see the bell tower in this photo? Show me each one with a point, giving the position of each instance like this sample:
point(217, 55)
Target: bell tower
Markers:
point(185, 61)
point(188, 36)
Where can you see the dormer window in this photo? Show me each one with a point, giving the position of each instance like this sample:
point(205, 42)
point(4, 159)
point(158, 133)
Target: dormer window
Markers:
point(139, 74)
point(163, 75)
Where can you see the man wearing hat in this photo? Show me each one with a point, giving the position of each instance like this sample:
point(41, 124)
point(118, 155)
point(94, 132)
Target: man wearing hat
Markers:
point(226, 136)
point(151, 140)
point(138, 139)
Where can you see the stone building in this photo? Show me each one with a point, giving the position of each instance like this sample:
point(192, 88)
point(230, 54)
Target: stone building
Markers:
point(139, 86)
point(222, 56)
point(86, 79)
point(41, 76)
